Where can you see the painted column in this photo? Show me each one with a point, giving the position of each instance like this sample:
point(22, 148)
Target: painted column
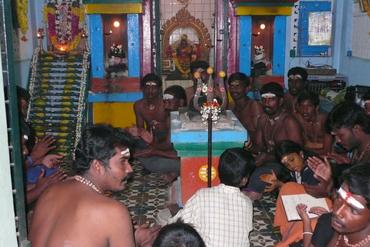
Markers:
point(96, 44)
point(133, 37)
point(245, 41)
point(232, 57)
point(278, 57)
point(147, 60)
point(220, 35)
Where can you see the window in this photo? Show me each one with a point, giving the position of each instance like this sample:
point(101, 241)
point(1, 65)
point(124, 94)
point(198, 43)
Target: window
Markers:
point(315, 28)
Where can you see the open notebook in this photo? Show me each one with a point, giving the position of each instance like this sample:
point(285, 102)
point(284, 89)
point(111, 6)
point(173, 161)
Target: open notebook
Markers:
point(290, 203)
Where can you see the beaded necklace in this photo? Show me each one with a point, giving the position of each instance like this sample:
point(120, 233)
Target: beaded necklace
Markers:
point(359, 156)
point(87, 182)
point(361, 243)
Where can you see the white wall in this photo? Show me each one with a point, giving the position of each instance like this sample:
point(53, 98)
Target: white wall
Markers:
point(8, 232)
point(356, 69)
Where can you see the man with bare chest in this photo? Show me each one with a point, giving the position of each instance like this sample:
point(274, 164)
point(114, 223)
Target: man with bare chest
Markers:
point(313, 123)
point(246, 110)
point(297, 81)
point(274, 126)
point(76, 212)
point(149, 111)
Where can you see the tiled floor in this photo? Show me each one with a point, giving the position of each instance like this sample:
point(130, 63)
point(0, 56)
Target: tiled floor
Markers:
point(146, 193)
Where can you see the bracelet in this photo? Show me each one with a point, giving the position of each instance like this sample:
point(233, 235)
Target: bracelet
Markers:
point(308, 233)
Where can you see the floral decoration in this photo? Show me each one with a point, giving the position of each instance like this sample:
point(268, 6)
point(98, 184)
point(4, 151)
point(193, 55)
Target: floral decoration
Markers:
point(64, 21)
point(210, 109)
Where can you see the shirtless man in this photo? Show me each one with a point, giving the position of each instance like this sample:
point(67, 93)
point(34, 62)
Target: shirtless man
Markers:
point(297, 80)
point(351, 213)
point(274, 126)
point(350, 126)
point(76, 212)
point(348, 224)
point(149, 111)
point(161, 156)
point(246, 110)
point(313, 123)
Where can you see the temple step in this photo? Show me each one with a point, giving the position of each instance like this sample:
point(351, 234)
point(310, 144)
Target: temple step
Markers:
point(58, 87)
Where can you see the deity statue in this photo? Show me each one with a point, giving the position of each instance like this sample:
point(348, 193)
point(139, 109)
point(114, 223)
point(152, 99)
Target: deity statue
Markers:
point(182, 53)
point(261, 65)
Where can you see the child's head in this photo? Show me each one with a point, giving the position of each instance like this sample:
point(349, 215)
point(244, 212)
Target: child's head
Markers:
point(235, 166)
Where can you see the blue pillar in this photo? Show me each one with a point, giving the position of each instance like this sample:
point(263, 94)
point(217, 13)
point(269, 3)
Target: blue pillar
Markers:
point(245, 41)
point(133, 39)
point(278, 57)
point(97, 46)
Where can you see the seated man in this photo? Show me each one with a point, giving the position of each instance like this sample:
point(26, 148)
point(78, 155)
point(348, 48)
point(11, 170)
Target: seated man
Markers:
point(246, 110)
point(350, 126)
point(222, 214)
point(76, 212)
point(313, 123)
point(41, 174)
point(149, 111)
point(297, 80)
point(160, 156)
point(351, 213)
point(274, 126)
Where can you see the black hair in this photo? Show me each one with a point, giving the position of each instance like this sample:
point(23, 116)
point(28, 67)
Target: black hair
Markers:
point(234, 165)
point(177, 91)
point(347, 114)
point(198, 64)
point(273, 87)
point(308, 95)
point(178, 234)
point(238, 76)
point(98, 143)
point(358, 180)
point(298, 71)
point(151, 77)
point(286, 147)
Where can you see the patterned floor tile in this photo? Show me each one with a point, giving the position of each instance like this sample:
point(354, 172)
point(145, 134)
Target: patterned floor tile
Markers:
point(146, 193)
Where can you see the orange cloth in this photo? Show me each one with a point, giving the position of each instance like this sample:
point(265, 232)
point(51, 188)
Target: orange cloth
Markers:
point(291, 231)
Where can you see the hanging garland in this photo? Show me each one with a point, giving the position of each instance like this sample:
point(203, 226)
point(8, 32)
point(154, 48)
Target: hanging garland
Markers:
point(64, 24)
point(180, 68)
point(22, 17)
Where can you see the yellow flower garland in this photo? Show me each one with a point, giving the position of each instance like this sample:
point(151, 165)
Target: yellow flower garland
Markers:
point(179, 67)
point(22, 15)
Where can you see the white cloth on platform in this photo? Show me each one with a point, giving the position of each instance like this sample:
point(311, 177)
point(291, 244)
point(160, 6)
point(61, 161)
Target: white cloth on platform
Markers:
point(222, 215)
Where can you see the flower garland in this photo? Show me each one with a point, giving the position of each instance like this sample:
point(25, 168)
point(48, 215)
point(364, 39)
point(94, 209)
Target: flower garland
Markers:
point(64, 25)
point(35, 58)
point(22, 16)
point(179, 66)
point(210, 109)
point(81, 100)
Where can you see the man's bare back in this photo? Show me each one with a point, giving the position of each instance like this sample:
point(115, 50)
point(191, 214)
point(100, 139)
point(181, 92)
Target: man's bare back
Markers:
point(76, 212)
point(70, 209)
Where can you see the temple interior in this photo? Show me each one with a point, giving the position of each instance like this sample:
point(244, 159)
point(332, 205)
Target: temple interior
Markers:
point(82, 62)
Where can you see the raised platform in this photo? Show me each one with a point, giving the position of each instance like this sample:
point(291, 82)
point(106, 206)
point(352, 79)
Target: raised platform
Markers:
point(189, 136)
